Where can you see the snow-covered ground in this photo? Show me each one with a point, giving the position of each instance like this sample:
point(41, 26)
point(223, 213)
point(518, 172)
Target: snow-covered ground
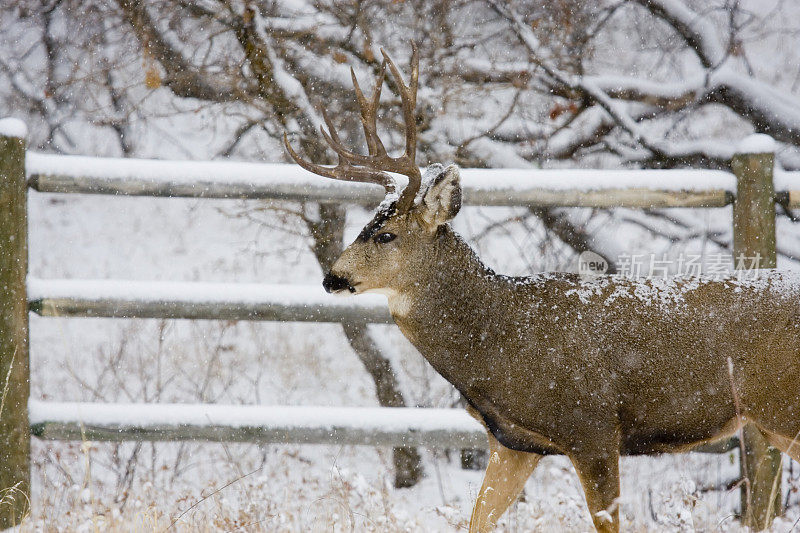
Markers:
point(84, 486)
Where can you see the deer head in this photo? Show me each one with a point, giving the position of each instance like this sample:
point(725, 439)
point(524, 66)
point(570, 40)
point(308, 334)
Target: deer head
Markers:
point(392, 247)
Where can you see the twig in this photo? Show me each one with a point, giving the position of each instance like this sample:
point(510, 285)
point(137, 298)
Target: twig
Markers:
point(204, 498)
point(495, 127)
point(740, 428)
point(8, 381)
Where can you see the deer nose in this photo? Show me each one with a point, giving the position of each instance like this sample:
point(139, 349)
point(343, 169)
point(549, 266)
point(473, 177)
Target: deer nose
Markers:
point(334, 283)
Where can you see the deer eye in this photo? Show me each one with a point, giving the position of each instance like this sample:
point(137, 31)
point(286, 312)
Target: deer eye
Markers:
point(383, 238)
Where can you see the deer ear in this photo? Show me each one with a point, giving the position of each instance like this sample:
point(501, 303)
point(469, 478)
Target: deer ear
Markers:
point(442, 201)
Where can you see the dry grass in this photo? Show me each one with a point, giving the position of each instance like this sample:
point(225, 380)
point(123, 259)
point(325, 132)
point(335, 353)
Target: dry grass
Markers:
point(294, 488)
point(88, 487)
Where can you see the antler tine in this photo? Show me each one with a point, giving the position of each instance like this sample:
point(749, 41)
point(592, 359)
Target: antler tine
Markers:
point(344, 154)
point(373, 168)
point(408, 96)
point(343, 171)
point(327, 172)
point(369, 111)
point(332, 138)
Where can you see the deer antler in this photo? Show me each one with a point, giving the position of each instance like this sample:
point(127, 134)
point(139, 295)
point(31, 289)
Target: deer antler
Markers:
point(372, 168)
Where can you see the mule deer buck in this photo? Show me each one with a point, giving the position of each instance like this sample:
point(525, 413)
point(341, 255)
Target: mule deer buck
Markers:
point(557, 364)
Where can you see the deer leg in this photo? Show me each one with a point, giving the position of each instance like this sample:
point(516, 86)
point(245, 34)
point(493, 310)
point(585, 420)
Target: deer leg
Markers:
point(505, 477)
point(599, 475)
point(789, 446)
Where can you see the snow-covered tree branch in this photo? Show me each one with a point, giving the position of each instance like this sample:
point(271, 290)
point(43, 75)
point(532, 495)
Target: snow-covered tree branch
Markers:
point(769, 110)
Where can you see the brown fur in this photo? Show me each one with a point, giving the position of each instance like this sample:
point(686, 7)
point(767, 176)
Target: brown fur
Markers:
point(590, 369)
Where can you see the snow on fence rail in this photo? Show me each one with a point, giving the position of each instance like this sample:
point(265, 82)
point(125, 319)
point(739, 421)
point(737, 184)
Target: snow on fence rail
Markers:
point(751, 188)
point(195, 300)
point(486, 187)
point(372, 426)
point(265, 424)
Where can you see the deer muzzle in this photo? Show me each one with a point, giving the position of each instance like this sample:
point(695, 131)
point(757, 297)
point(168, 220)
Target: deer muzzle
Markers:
point(334, 283)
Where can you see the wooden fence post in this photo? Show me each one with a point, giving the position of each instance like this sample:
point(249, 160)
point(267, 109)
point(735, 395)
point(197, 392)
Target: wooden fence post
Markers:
point(754, 247)
point(15, 437)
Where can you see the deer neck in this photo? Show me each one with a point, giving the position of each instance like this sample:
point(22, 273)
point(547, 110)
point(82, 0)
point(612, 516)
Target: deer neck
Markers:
point(448, 305)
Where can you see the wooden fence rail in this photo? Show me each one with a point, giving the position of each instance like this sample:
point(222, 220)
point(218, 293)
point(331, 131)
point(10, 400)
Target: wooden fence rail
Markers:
point(358, 426)
point(379, 426)
point(369, 426)
point(194, 300)
point(486, 187)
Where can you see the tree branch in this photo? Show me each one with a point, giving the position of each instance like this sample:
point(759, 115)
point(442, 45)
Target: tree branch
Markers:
point(698, 32)
point(591, 89)
point(182, 78)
